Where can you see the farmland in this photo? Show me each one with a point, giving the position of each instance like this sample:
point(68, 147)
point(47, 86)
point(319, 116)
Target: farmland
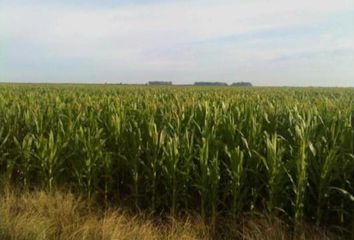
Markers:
point(219, 152)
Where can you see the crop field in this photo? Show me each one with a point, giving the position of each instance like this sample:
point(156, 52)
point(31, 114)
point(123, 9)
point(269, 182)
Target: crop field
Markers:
point(215, 151)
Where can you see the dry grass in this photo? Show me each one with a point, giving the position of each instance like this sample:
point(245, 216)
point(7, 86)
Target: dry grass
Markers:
point(60, 215)
point(39, 215)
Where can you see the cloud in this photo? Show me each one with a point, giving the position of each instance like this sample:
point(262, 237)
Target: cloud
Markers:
point(157, 38)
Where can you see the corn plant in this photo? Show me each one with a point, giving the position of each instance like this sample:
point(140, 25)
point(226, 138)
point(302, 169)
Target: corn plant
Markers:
point(236, 171)
point(275, 167)
point(301, 176)
point(219, 151)
point(171, 164)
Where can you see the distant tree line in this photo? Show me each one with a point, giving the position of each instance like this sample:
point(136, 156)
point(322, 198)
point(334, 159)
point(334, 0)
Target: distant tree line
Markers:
point(242, 84)
point(210, 84)
point(235, 84)
point(159, 83)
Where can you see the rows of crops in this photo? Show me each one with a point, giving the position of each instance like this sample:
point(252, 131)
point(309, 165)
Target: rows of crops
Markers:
point(220, 152)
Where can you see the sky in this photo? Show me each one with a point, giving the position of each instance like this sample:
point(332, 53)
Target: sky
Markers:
point(267, 43)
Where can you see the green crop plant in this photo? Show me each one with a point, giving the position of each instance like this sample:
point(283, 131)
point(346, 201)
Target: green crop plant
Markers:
point(275, 171)
point(5, 165)
point(236, 170)
point(215, 151)
point(25, 157)
point(89, 146)
point(155, 144)
point(171, 164)
point(47, 153)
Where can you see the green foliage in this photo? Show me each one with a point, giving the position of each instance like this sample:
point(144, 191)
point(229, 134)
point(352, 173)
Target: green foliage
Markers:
point(217, 151)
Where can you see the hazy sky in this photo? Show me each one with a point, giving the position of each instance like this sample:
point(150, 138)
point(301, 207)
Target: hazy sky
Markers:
point(274, 42)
